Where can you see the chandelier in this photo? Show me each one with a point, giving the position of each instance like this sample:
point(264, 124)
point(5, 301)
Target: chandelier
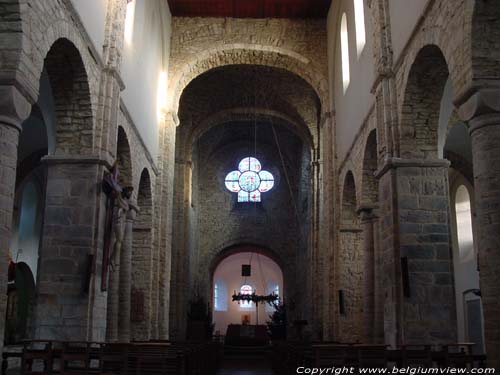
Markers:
point(270, 298)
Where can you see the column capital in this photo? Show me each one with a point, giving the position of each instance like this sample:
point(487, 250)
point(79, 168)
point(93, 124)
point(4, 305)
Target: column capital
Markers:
point(481, 109)
point(483, 102)
point(14, 107)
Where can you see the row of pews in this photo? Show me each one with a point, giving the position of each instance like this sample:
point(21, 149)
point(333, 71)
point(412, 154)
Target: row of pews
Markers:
point(288, 356)
point(138, 358)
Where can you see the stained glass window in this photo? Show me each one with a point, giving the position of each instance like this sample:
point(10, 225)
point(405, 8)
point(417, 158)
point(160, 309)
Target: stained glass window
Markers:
point(249, 181)
point(246, 289)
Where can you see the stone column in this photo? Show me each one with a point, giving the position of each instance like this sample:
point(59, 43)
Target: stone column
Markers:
point(482, 111)
point(125, 277)
point(113, 301)
point(14, 109)
point(164, 191)
point(367, 224)
point(415, 250)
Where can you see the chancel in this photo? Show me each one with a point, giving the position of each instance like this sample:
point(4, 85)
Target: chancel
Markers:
point(258, 187)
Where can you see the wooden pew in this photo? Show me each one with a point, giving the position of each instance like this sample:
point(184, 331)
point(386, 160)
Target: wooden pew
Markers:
point(416, 356)
point(38, 357)
point(371, 355)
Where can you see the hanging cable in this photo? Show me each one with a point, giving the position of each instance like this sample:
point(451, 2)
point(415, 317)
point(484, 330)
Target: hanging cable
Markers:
point(262, 276)
point(290, 189)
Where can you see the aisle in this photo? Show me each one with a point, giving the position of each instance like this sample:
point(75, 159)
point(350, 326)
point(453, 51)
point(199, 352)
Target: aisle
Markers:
point(247, 366)
point(246, 361)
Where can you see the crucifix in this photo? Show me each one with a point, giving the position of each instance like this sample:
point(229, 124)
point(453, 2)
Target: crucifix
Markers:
point(117, 206)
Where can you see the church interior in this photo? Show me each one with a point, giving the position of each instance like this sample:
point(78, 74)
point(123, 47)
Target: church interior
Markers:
point(201, 187)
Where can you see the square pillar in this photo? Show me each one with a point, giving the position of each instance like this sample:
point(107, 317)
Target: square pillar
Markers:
point(415, 246)
point(69, 304)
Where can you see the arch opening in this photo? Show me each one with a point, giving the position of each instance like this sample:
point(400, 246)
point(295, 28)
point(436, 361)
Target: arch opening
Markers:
point(72, 102)
point(143, 262)
point(350, 266)
point(421, 107)
point(266, 277)
point(370, 165)
point(226, 114)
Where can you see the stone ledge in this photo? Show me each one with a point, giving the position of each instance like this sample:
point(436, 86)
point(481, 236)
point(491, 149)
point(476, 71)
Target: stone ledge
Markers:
point(394, 163)
point(75, 159)
point(116, 75)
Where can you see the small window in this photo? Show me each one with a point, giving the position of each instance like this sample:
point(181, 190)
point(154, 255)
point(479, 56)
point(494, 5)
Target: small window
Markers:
point(248, 290)
point(344, 46)
point(273, 289)
point(359, 18)
point(220, 296)
point(249, 181)
point(129, 22)
point(464, 225)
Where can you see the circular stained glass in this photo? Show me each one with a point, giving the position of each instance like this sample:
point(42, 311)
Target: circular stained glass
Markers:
point(249, 181)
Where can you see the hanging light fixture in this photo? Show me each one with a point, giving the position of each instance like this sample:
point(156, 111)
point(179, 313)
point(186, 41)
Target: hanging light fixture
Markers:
point(239, 297)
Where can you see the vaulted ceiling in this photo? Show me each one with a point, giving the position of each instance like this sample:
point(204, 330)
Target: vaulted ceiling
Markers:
point(250, 8)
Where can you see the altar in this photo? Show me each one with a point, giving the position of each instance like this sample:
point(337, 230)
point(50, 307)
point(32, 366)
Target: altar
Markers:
point(247, 335)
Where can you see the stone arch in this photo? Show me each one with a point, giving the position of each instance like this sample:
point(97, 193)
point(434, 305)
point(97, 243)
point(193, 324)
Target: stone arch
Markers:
point(123, 157)
point(349, 200)
point(247, 54)
point(142, 262)
point(70, 88)
point(421, 104)
point(29, 62)
point(237, 114)
point(369, 185)
point(227, 251)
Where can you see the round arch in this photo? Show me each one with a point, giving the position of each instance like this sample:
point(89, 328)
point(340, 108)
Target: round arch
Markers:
point(237, 114)
point(349, 199)
point(421, 104)
point(142, 262)
point(71, 92)
point(124, 157)
point(247, 54)
point(369, 183)
point(266, 277)
point(243, 248)
point(30, 65)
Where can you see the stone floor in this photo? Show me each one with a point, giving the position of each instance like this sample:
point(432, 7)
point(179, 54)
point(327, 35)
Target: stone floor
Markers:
point(245, 361)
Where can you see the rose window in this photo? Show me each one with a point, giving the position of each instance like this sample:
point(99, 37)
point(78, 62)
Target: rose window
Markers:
point(249, 181)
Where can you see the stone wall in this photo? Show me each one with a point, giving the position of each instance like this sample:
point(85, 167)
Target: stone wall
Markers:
point(69, 302)
point(200, 44)
point(218, 222)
